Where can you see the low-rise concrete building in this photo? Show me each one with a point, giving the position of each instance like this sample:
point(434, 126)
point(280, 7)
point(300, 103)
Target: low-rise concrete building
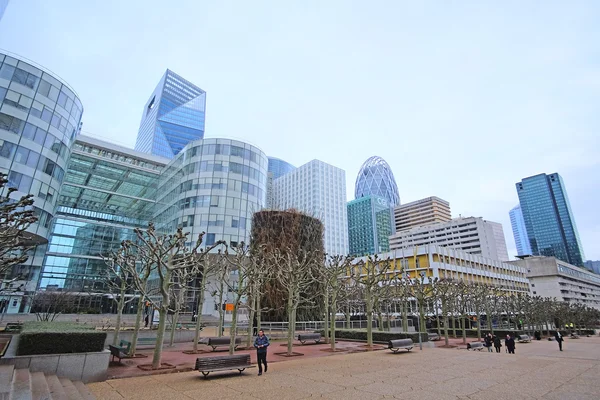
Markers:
point(472, 234)
point(551, 277)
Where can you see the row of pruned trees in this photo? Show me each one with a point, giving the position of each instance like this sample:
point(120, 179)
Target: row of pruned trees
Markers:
point(453, 304)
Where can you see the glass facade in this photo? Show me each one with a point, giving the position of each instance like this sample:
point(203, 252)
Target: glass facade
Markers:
point(279, 167)
point(172, 117)
point(108, 191)
point(3, 4)
point(40, 117)
point(213, 186)
point(548, 218)
point(375, 178)
point(519, 231)
point(370, 224)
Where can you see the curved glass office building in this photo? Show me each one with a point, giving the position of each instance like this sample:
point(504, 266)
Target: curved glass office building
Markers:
point(278, 167)
point(376, 178)
point(213, 186)
point(39, 120)
point(40, 117)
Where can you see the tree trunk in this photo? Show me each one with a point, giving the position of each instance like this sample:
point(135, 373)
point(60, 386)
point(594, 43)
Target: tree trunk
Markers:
point(291, 312)
point(233, 329)
point(120, 306)
point(464, 328)
point(325, 330)
point(160, 335)
point(249, 331)
point(445, 314)
point(221, 311)
point(174, 327)
point(348, 316)
point(199, 313)
point(405, 316)
point(332, 323)
point(369, 310)
point(421, 318)
point(478, 314)
point(454, 326)
point(138, 324)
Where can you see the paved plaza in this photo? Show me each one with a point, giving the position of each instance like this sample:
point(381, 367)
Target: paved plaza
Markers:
point(537, 371)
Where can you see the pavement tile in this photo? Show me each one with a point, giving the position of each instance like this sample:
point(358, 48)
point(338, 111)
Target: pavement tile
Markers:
point(538, 371)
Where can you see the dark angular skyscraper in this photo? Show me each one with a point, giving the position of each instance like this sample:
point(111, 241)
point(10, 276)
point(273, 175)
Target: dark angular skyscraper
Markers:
point(173, 117)
point(548, 218)
point(375, 178)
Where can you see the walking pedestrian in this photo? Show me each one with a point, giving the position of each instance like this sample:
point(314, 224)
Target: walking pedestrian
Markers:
point(489, 342)
point(497, 343)
point(559, 339)
point(261, 343)
point(509, 342)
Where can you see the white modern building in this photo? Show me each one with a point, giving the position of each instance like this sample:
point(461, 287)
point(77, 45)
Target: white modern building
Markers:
point(319, 190)
point(473, 235)
point(551, 277)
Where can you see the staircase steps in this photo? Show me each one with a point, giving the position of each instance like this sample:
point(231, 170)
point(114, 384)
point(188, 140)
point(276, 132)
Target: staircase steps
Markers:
point(20, 384)
point(57, 391)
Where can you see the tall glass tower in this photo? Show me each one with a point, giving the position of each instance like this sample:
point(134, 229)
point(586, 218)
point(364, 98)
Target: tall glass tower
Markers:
point(3, 4)
point(519, 231)
point(548, 218)
point(172, 117)
point(370, 224)
point(375, 178)
point(278, 167)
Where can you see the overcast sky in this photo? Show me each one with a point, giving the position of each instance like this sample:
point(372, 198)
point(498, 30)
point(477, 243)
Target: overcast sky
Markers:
point(462, 98)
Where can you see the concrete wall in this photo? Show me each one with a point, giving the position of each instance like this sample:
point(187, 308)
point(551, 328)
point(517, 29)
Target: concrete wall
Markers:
point(85, 367)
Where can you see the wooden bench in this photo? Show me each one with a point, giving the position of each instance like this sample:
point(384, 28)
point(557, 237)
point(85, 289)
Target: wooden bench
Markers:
point(524, 338)
point(206, 365)
point(146, 341)
point(215, 342)
point(397, 344)
point(433, 337)
point(574, 336)
point(13, 327)
point(116, 352)
point(304, 337)
point(475, 346)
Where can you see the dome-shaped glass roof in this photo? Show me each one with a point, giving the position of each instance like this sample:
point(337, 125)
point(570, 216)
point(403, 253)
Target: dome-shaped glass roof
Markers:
point(375, 178)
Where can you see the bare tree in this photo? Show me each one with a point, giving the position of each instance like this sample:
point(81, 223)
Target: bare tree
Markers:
point(446, 292)
point(463, 301)
point(168, 253)
point(207, 266)
point(183, 279)
point(16, 215)
point(335, 272)
point(49, 304)
point(117, 276)
point(479, 297)
point(368, 277)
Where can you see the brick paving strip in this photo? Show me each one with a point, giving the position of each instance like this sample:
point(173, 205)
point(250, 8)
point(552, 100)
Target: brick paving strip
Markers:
point(537, 371)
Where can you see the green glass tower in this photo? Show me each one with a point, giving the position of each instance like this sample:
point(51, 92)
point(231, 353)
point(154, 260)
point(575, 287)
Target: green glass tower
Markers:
point(548, 218)
point(370, 224)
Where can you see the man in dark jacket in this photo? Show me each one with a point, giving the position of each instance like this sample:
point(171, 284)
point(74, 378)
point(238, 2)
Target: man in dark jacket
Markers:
point(559, 339)
point(497, 343)
point(509, 342)
point(261, 343)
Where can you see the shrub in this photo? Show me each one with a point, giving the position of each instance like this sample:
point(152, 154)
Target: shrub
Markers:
point(382, 337)
point(58, 338)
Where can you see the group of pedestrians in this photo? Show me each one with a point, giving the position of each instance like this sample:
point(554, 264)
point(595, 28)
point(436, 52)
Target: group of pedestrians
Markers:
point(495, 342)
